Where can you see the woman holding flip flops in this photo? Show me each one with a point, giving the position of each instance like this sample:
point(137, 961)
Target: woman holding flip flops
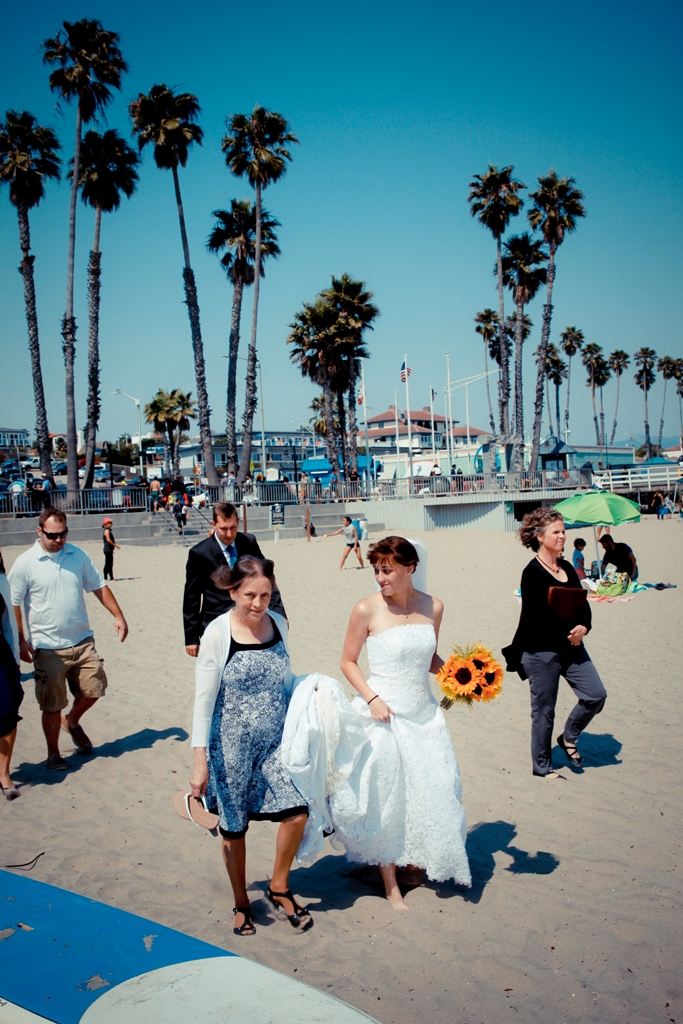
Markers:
point(242, 678)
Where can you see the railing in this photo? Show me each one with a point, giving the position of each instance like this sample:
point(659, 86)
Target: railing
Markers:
point(81, 502)
point(644, 478)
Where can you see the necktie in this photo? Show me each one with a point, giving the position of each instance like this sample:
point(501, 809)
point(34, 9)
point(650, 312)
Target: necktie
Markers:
point(231, 552)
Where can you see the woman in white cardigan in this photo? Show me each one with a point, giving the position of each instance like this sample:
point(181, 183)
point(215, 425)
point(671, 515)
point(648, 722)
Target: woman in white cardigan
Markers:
point(242, 678)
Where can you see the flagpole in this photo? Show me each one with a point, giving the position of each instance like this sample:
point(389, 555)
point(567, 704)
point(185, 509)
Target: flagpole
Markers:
point(368, 463)
point(449, 412)
point(431, 410)
point(396, 418)
point(409, 464)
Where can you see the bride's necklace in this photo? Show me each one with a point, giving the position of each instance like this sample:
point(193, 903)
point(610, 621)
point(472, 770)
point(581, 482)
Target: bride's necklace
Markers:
point(550, 567)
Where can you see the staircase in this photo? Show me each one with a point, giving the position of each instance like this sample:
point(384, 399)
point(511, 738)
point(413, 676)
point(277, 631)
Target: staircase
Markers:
point(146, 528)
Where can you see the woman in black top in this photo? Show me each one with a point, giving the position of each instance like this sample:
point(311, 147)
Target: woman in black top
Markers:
point(548, 643)
point(109, 546)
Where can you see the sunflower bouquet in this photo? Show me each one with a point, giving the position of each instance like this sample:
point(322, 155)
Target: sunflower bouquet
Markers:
point(470, 674)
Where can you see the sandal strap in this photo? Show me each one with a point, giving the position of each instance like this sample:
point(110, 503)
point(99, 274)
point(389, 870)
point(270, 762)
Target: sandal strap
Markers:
point(288, 896)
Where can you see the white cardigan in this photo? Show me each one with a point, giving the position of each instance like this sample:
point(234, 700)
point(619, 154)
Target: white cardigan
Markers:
point(213, 656)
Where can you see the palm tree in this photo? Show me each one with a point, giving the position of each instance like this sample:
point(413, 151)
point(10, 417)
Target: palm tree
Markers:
point(571, 342)
point(166, 120)
point(487, 328)
point(550, 353)
point(601, 375)
point(494, 200)
point(312, 340)
point(89, 66)
point(556, 373)
point(678, 377)
point(618, 362)
point(158, 412)
point(667, 367)
point(557, 206)
point(107, 170)
point(645, 377)
point(235, 231)
point(28, 158)
point(523, 273)
point(181, 409)
point(317, 420)
point(256, 145)
point(355, 314)
point(590, 358)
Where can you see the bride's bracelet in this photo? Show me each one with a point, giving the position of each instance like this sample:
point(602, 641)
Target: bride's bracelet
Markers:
point(373, 698)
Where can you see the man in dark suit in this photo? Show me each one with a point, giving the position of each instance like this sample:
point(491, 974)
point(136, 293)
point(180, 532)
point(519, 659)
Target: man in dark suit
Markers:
point(203, 601)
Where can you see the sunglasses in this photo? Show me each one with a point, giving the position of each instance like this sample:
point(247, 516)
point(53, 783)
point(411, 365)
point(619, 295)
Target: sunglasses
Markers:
point(54, 536)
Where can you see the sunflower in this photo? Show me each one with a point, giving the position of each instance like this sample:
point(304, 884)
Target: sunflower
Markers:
point(492, 676)
point(458, 677)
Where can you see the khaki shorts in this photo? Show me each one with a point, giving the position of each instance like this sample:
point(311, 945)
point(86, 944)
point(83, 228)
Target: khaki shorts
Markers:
point(80, 667)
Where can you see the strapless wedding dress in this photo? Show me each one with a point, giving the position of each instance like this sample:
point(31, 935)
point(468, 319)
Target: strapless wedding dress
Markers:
point(391, 791)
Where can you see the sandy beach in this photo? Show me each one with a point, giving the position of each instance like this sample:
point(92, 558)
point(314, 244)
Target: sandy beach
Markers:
point(572, 914)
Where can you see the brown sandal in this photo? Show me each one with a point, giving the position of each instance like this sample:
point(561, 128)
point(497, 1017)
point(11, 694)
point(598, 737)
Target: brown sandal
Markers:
point(81, 742)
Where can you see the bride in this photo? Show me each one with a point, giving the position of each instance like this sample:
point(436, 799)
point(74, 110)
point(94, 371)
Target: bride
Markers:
point(392, 790)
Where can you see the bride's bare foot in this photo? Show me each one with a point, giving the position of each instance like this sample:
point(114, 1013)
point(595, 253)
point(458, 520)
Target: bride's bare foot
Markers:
point(391, 889)
point(396, 901)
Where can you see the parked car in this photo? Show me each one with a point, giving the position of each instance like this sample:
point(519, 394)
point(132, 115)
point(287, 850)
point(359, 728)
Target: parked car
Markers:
point(58, 468)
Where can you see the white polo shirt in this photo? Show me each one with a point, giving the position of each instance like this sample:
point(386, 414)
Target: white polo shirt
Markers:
point(50, 588)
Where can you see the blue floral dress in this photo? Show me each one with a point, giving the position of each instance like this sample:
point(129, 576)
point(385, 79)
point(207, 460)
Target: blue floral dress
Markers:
point(247, 780)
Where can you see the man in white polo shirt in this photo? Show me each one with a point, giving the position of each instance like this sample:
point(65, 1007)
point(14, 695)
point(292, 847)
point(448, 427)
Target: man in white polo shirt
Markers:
point(49, 581)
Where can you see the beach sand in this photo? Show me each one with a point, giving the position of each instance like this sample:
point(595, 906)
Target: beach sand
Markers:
point(572, 915)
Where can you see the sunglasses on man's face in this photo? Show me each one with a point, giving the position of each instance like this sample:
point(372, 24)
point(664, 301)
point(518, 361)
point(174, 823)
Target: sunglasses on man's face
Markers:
point(54, 536)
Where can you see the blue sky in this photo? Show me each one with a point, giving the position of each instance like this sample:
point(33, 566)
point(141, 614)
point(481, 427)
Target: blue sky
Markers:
point(396, 107)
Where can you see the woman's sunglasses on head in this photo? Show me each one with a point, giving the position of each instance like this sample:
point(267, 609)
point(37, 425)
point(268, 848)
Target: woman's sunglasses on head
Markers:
point(54, 536)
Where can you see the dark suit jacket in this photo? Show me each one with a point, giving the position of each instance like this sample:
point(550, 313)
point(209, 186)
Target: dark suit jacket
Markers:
point(203, 601)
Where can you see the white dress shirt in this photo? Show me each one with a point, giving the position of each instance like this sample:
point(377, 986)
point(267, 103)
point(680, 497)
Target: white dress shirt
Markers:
point(50, 587)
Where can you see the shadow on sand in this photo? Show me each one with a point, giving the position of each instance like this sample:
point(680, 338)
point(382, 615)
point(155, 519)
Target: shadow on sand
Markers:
point(597, 750)
point(38, 775)
point(338, 883)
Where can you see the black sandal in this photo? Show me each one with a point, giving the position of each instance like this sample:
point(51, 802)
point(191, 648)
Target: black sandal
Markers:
point(301, 918)
point(575, 760)
point(247, 927)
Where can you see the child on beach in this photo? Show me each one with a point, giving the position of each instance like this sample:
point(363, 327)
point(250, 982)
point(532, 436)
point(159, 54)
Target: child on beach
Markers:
point(352, 540)
point(577, 558)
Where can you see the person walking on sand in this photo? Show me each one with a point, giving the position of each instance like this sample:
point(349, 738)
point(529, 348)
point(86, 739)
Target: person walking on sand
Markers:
point(11, 692)
point(203, 601)
point(109, 546)
point(555, 618)
point(352, 540)
point(242, 680)
point(49, 581)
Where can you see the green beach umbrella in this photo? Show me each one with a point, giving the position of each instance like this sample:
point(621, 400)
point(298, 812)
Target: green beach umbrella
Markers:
point(598, 508)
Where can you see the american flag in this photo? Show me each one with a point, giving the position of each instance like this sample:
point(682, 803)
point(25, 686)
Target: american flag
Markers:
point(405, 372)
point(402, 416)
point(434, 395)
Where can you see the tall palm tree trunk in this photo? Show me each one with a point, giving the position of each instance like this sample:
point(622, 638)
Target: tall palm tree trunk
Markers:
point(648, 443)
point(94, 272)
point(557, 408)
point(353, 427)
point(69, 323)
point(233, 350)
point(341, 416)
point(504, 395)
point(250, 395)
point(616, 410)
point(551, 425)
point(595, 413)
point(661, 419)
point(330, 437)
point(488, 390)
point(542, 353)
point(518, 457)
point(603, 436)
point(566, 408)
point(204, 412)
point(26, 271)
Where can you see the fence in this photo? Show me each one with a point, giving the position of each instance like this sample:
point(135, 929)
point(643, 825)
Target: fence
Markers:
point(82, 502)
point(644, 478)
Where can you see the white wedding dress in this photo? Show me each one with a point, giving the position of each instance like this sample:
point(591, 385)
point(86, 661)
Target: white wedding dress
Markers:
point(391, 791)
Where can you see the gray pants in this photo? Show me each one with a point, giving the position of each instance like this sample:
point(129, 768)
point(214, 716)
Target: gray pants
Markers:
point(544, 670)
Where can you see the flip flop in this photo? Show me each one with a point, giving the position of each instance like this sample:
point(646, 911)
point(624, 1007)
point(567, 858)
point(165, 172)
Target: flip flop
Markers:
point(194, 809)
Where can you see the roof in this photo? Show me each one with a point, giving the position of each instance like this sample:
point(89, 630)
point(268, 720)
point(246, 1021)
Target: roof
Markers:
point(473, 431)
point(420, 414)
point(554, 446)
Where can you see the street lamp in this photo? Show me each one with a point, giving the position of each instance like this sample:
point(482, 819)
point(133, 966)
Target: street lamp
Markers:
point(137, 402)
